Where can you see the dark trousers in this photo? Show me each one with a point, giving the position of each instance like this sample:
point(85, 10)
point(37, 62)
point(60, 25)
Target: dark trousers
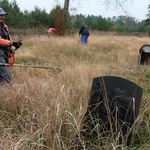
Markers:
point(5, 74)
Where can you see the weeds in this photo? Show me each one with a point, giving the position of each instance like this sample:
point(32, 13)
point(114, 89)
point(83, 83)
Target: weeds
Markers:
point(44, 110)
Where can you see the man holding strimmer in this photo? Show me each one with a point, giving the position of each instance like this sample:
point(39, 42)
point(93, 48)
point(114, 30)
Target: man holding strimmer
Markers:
point(7, 46)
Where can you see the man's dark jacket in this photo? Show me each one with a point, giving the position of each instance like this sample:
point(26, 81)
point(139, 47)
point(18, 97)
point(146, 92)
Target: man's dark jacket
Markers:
point(84, 30)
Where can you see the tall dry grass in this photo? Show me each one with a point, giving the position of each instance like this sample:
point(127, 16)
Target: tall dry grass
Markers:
point(44, 110)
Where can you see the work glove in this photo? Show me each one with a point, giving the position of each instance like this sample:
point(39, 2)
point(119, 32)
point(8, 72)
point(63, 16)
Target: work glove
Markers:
point(16, 44)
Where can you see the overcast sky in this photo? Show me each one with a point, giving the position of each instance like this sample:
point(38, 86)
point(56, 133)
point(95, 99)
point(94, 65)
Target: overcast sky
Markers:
point(134, 8)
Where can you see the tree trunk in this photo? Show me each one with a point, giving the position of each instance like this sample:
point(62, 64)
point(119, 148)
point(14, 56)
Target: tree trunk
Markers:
point(66, 5)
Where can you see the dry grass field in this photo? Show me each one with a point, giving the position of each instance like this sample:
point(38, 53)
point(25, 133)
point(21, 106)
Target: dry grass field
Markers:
point(44, 109)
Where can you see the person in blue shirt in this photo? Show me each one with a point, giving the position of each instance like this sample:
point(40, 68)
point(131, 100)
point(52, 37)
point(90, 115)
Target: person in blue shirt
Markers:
point(84, 32)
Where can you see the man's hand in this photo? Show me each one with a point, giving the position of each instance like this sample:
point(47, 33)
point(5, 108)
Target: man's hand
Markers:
point(12, 51)
point(16, 44)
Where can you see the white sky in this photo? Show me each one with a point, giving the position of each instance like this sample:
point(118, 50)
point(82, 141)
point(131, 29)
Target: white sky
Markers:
point(134, 8)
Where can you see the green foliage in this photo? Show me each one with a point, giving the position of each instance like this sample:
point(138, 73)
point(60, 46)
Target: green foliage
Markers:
point(62, 21)
point(39, 17)
point(147, 75)
point(147, 21)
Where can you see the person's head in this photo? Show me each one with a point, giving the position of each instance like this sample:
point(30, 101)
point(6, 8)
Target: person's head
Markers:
point(83, 23)
point(2, 14)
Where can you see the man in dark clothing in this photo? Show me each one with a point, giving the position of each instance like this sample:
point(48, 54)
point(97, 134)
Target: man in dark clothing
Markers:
point(6, 48)
point(84, 33)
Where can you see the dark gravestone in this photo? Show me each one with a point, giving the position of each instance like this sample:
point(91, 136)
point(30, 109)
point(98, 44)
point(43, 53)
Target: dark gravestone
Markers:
point(144, 55)
point(114, 105)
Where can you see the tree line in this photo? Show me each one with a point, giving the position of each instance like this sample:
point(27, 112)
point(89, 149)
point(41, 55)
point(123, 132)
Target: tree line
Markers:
point(37, 18)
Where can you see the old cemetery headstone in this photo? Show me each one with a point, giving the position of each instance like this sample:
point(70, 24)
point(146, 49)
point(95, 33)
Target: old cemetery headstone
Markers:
point(144, 55)
point(113, 106)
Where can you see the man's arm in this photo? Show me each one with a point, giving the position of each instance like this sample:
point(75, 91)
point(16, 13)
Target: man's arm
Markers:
point(81, 29)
